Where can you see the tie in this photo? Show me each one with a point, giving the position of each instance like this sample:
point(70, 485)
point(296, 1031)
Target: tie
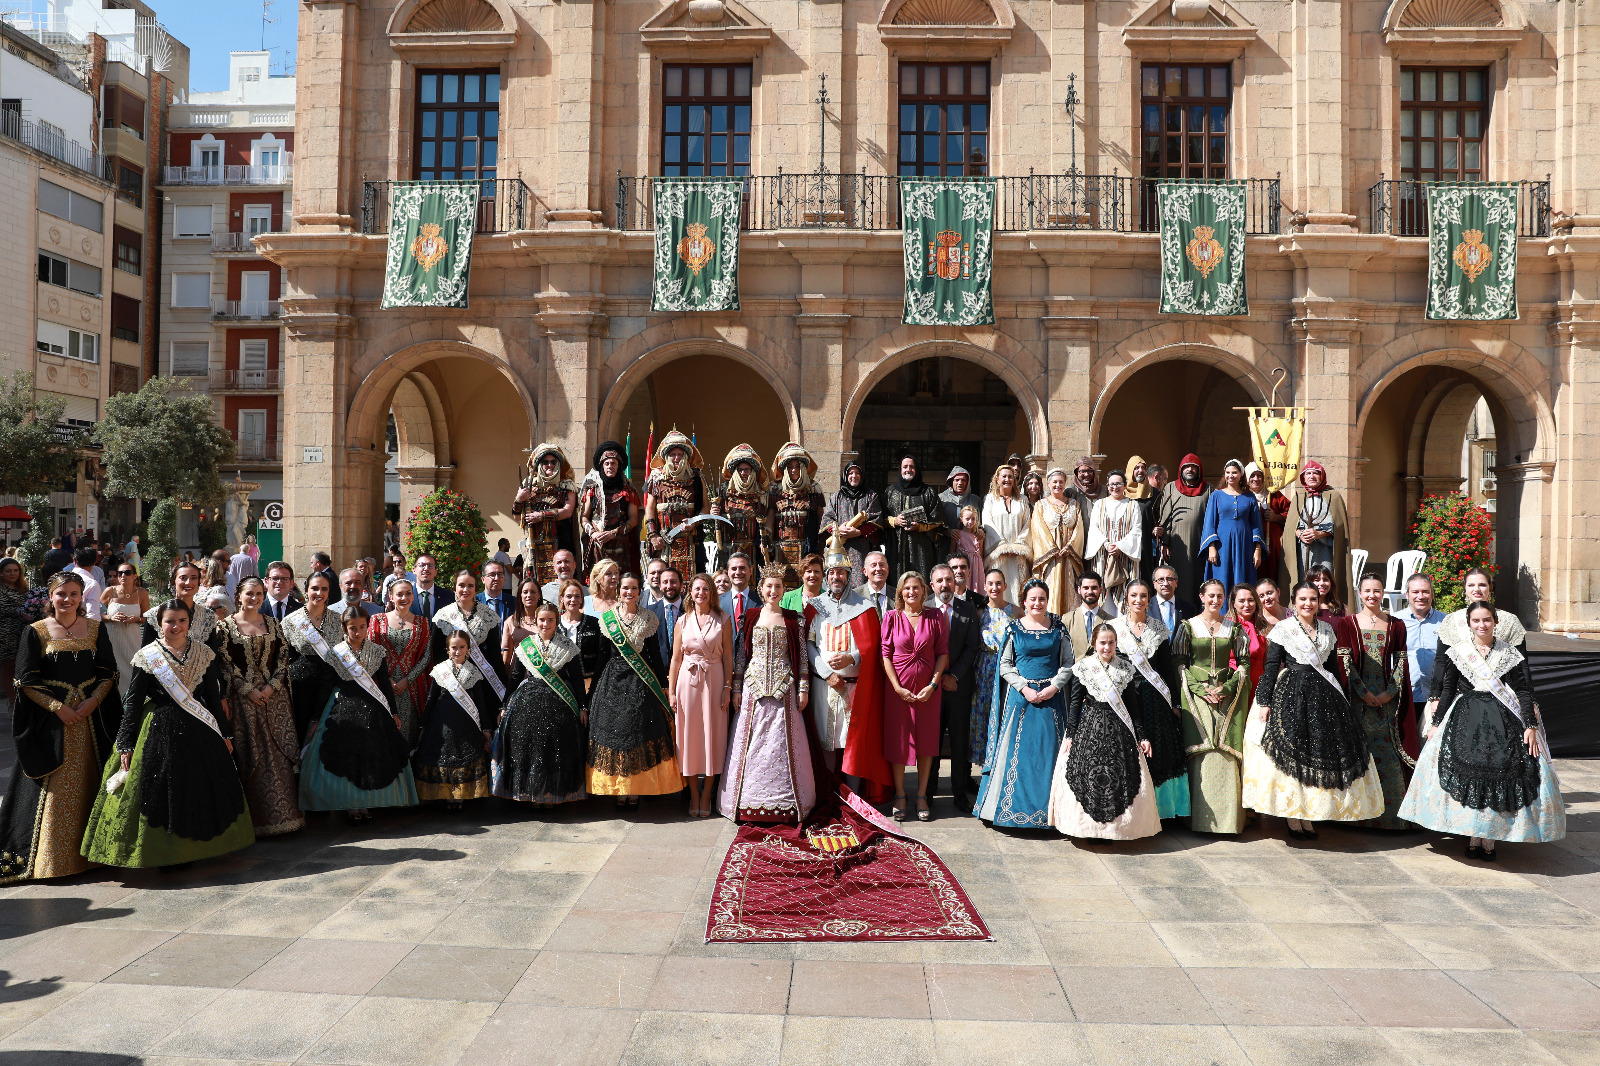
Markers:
point(1088, 627)
point(878, 599)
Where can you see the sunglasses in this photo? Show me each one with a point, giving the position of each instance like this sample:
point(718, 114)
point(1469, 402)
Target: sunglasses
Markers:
point(126, 573)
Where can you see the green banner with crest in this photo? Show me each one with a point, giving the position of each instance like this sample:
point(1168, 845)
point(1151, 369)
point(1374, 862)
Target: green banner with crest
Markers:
point(697, 243)
point(430, 243)
point(1202, 247)
point(948, 226)
point(1472, 251)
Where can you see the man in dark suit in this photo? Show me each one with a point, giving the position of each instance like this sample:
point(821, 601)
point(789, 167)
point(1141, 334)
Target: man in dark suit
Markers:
point(740, 597)
point(668, 608)
point(1165, 604)
point(430, 598)
point(955, 705)
point(282, 597)
point(495, 593)
point(968, 586)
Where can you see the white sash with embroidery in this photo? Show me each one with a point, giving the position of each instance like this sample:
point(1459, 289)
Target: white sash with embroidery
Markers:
point(445, 678)
point(1139, 659)
point(162, 669)
point(1103, 687)
point(1472, 662)
point(303, 626)
point(1292, 638)
point(476, 652)
point(358, 673)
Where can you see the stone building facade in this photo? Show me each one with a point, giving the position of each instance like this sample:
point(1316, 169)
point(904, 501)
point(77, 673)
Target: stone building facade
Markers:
point(1334, 109)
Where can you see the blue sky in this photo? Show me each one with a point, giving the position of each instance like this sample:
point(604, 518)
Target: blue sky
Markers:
point(213, 28)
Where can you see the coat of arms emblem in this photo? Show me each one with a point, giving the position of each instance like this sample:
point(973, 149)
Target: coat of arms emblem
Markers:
point(948, 258)
point(429, 246)
point(696, 249)
point(1472, 255)
point(1204, 251)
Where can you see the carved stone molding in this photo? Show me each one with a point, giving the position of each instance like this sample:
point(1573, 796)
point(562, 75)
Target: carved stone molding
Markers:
point(1470, 29)
point(453, 29)
point(958, 28)
point(1164, 30)
point(687, 29)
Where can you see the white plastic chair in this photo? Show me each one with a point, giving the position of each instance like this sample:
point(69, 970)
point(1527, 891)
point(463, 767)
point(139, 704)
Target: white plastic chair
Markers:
point(1401, 566)
point(1358, 566)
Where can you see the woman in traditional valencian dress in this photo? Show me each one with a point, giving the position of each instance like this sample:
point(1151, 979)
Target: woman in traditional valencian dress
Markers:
point(1306, 756)
point(521, 623)
point(357, 758)
point(482, 623)
point(1006, 515)
point(1101, 786)
point(631, 753)
point(185, 587)
point(312, 633)
point(264, 745)
point(1372, 653)
point(1028, 719)
point(608, 512)
point(1476, 587)
point(408, 649)
point(538, 751)
point(63, 728)
point(170, 793)
point(1147, 646)
point(769, 776)
point(1057, 538)
point(994, 619)
point(451, 762)
point(1215, 675)
point(1485, 771)
point(1115, 538)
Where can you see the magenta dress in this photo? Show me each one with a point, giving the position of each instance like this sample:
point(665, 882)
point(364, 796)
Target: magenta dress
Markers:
point(912, 730)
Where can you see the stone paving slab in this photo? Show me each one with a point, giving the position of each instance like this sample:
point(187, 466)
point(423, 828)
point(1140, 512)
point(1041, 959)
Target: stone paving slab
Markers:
point(574, 936)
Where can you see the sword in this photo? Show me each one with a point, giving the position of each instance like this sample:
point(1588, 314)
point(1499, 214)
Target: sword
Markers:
point(682, 527)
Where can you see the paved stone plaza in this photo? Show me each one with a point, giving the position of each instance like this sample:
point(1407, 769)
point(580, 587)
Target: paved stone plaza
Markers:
point(503, 936)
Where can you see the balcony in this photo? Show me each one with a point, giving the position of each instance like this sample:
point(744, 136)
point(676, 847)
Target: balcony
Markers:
point(1400, 208)
point(1115, 203)
point(260, 451)
point(247, 380)
point(275, 174)
point(14, 127)
point(233, 243)
point(504, 206)
point(244, 310)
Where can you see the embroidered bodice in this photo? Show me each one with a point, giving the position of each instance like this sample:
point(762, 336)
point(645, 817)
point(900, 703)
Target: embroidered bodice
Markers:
point(769, 673)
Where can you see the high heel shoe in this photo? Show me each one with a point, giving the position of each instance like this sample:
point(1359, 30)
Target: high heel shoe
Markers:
point(924, 812)
point(898, 810)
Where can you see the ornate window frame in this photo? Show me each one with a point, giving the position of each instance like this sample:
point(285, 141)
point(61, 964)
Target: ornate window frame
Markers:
point(454, 47)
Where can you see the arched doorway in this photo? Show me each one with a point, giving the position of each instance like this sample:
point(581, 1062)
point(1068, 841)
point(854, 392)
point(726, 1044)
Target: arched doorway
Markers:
point(945, 410)
point(1171, 408)
point(1437, 429)
point(720, 401)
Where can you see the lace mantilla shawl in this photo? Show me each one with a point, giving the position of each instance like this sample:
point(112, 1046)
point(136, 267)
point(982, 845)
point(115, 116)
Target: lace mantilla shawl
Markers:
point(332, 630)
point(191, 669)
point(201, 623)
point(467, 673)
point(371, 656)
point(1155, 634)
point(641, 629)
point(1454, 630)
point(1502, 658)
point(1325, 641)
point(1102, 683)
point(482, 622)
point(559, 651)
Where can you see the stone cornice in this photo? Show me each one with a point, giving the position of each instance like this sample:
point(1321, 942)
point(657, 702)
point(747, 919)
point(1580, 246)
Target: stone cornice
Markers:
point(1543, 471)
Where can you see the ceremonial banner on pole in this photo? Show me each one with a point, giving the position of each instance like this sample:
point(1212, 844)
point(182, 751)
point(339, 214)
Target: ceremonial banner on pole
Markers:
point(1472, 251)
point(948, 226)
point(697, 243)
point(430, 243)
point(1202, 247)
point(1276, 443)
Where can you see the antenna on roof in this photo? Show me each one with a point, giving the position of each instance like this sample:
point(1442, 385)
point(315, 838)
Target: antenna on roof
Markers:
point(266, 5)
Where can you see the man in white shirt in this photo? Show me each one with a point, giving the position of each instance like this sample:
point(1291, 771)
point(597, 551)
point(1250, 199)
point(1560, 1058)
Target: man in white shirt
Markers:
point(566, 565)
point(955, 701)
point(83, 559)
point(875, 589)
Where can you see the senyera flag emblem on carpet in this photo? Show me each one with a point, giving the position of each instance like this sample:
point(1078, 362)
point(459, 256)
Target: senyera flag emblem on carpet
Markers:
point(855, 878)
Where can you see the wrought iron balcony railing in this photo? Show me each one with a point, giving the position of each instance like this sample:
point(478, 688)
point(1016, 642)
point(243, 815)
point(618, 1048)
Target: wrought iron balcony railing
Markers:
point(254, 449)
point(244, 309)
point(267, 174)
point(1070, 201)
point(504, 206)
point(1400, 208)
point(247, 380)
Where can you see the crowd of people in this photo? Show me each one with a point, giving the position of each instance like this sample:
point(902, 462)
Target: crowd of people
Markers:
point(1111, 655)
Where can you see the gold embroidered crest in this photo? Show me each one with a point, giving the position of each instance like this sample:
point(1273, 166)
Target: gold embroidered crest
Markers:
point(429, 246)
point(1472, 255)
point(1204, 251)
point(696, 249)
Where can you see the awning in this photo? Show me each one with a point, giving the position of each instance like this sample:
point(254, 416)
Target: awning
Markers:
point(14, 514)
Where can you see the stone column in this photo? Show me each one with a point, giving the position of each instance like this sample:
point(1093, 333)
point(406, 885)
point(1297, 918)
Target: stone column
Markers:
point(1320, 166)
point(326, 195)
point(823, 325)
point(1522, 529)
point(1329, 350)
point(569, 402)
point(1069, 401)
point(1570, 584)
point(314, 404)
point(578, 57)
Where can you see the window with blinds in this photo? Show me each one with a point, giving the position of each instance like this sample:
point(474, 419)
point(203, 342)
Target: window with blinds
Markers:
point(190, 359)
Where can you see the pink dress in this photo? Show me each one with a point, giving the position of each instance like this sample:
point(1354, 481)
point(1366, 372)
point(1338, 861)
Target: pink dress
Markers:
point(969, 545)
point(702, 716)
point(912, 730)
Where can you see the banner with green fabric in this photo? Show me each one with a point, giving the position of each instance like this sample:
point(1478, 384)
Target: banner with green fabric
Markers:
point(1472, 251)
point(430, 243)
point(1202, 247)
point(697, 243)
point(949, 229)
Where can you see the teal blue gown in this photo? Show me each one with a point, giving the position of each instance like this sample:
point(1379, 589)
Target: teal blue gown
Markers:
point(1025, 737)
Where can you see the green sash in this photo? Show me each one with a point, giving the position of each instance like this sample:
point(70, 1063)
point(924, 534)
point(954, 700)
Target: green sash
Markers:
point(535, 662)
point(630, 655)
